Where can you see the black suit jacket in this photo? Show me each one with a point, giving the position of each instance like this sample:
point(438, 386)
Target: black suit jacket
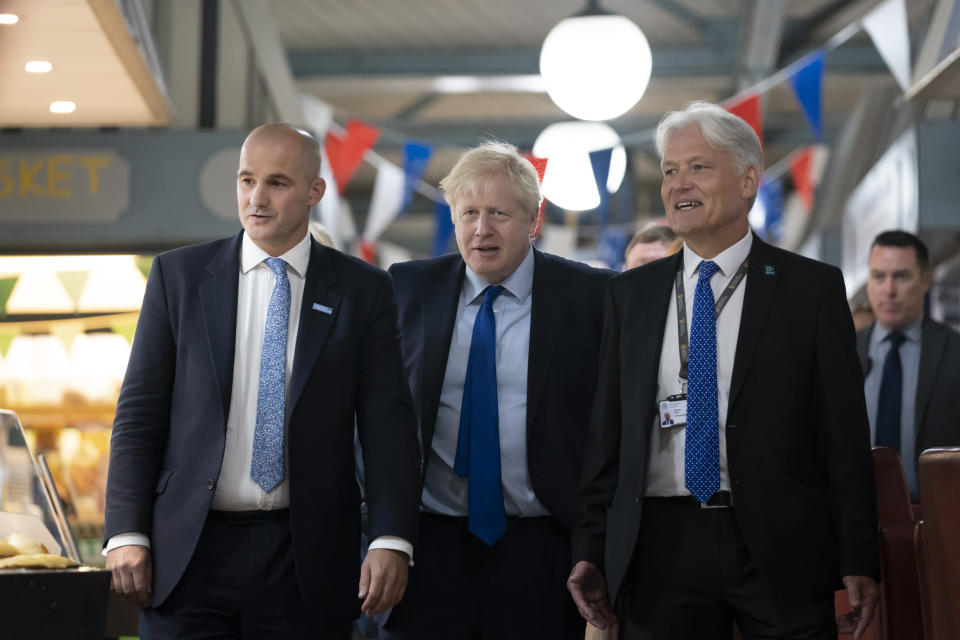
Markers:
point(565, 324)
point(937, 406)
point(798, 450)
point(168, 435)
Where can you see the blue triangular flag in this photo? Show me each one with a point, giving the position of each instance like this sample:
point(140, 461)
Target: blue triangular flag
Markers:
point(416, 157)
point(771, 192)
point(600, 161)
point(807, 84)
point(443, 229)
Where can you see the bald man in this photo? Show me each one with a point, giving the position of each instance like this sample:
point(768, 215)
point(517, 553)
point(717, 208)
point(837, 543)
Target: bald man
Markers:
point(232, 505)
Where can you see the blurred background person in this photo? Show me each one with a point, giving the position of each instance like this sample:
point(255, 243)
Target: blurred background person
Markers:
point(649, 244)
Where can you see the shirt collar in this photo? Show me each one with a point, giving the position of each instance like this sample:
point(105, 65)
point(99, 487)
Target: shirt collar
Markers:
point(729, 260)
point(913, 333)
point(297, 257)
point(519, 283)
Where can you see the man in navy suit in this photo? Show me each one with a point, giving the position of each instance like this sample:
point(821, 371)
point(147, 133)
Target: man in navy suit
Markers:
point(500, 344)
point(232, 505)
point(756, 507)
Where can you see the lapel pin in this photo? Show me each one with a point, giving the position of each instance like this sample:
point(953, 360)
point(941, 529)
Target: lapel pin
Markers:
point(769, 270)
point(322, 308)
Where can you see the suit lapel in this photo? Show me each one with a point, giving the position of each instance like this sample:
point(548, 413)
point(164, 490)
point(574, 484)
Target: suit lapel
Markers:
point(760, 286)
point(933, 343)
point(315, 324)
point(438, 301)
point(218, 299)
point(863, 349)
point(546, 321)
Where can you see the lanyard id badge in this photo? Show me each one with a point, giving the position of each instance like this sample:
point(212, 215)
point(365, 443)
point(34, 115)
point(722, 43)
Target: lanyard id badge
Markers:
point(673, 411)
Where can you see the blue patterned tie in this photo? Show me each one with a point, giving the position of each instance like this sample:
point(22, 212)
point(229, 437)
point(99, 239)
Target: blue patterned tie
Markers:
point(702, 451)
point(478, 446)
point(891, 395)
point(266, 468)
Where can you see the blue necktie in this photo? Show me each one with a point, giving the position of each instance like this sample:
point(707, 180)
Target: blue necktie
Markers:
point(891, 395)
point(478, 446)
point(702, 451)
point(266, 468)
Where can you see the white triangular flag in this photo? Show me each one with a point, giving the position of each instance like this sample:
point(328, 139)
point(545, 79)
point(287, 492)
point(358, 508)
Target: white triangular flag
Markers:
point(317, 113)
point(387, 200)
point(887, 26)
point(329, 206)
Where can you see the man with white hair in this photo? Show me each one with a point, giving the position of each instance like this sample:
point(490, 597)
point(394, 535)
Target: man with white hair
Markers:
point(754, 504)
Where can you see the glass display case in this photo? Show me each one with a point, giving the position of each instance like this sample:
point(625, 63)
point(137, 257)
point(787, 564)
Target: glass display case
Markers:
point(45, 591)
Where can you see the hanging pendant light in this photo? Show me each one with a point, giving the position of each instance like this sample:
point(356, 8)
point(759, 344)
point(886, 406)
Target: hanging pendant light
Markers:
point(595, 65)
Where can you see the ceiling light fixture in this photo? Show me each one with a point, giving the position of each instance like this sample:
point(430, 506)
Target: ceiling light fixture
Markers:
point(596, 64)
point(62, 106)
point(9, 18)
point(38, 66)
point(569, 181)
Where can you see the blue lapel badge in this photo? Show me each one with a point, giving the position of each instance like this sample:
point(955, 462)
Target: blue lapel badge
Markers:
point(322, 308)
point(768, 270)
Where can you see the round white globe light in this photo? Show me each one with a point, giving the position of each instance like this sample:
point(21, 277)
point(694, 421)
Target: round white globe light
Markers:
point(596, 67)
point(569, 181)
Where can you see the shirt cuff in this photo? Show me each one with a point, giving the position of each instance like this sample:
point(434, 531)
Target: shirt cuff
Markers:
point(392, 542)
point(126, 539)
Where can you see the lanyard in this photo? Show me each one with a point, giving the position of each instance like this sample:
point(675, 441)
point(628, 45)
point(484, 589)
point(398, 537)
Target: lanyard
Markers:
point(682, 317)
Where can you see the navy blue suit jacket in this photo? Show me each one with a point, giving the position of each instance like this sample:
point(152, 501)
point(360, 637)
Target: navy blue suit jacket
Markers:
point(565, 324)
point(168, 436)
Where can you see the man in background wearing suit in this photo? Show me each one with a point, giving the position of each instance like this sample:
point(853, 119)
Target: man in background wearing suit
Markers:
point(911, 363)
point(232, 505)
point(752, 510)
point(500, 343)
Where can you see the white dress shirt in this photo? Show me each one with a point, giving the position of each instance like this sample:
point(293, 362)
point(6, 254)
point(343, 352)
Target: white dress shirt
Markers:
point(236, 491)
point(444, 491)
point(665, 463)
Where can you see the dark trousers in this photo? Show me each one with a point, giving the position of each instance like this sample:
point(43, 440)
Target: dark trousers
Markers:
point(461, 589)
point(692, 577)
point(240, 583)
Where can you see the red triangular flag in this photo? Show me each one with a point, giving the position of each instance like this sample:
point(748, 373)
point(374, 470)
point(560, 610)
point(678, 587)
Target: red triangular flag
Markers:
point(345, 151)
point(368, 251)
point(800, 170)
point(749, 110)
point(540, 164)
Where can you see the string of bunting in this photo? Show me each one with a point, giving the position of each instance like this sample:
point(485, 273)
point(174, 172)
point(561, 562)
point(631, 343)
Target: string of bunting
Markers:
point(346, 147)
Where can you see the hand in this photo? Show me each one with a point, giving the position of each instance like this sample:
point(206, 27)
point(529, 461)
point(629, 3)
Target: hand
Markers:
point(589, 590)
point(132, 569)
point(864, 596)
point(383, 580)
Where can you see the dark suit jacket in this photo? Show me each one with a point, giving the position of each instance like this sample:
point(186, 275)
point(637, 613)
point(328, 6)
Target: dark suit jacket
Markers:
point(565, 324)
point(798, 450)
point(937, 413)
point(168, 436)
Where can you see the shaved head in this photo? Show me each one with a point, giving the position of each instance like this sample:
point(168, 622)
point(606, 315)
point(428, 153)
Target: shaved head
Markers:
point(281, 132)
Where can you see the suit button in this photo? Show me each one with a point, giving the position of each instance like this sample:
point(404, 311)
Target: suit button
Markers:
point(731, 426)
point(211, 484)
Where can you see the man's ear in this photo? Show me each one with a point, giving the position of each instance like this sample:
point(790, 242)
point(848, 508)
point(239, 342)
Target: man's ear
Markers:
point(751, 182)
point(537, 226)
point(317, 188)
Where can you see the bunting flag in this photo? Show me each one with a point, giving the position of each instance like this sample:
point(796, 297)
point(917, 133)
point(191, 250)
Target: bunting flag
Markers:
point(67, 331)
point(611, 245)
point(329, 205)
point(126, 329)
point(800, 167)
point(346, 151)
point(317, 113)
point(143, 264)
point(6, 288)
point(386, 201)
point(771, 194)
point(600, 162)
point(749, 109)
point(807, 85)
point(6, 338)
point(367, 251)
point(443, 230)
point(416, 159)
point(887, 26)
point(73, 282)
point(540, 164)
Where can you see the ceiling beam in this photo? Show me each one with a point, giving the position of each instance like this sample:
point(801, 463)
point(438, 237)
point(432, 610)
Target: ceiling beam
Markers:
point(763, 22)
point(497, 61)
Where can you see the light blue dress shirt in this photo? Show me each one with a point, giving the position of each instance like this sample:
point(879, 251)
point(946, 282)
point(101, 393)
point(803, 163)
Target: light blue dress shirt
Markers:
point(445, 492)
point(910, 363)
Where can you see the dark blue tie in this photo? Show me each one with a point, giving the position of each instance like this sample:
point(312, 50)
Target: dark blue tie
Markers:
point(702, 449)
point(478, 446)
point(891, 395)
